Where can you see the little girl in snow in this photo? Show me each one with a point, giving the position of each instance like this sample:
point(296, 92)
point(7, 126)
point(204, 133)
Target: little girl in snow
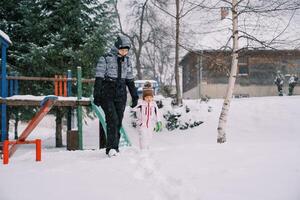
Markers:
point(148, 117)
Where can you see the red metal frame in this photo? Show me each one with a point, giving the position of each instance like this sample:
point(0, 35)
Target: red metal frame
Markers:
point(38, 149)
point(60, 85)
point(32, 124)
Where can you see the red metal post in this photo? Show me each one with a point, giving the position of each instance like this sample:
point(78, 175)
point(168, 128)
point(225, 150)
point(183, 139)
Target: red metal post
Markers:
point(5, 152)
point(60, 86)
point(56, 86)
point(38, 151)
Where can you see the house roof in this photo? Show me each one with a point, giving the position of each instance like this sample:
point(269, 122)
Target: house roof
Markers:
point(268, 31)
point(5, 37)
point(255, 31)
point(245, 52)
point(204, 29)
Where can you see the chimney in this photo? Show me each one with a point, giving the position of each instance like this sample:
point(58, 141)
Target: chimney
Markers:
point(224, 12)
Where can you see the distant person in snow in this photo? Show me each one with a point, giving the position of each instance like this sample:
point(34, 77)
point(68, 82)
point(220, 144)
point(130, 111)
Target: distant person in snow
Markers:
point(148, 117)
point(279, 83)
point(292, 83)
point(113, 73)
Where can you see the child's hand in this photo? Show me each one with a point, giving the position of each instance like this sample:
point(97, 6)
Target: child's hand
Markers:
point(158, 127)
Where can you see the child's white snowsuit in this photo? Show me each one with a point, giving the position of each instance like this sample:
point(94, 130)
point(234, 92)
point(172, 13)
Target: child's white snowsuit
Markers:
point(147, 115)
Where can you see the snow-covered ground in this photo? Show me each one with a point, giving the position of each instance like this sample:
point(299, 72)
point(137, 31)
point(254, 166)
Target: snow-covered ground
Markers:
point(260, 160)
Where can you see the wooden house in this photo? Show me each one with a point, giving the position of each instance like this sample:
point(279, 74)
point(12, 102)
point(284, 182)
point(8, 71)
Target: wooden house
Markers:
point(205, 73)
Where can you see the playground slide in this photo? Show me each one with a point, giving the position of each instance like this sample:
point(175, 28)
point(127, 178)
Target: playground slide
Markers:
point(46, 106)
point(124, 140)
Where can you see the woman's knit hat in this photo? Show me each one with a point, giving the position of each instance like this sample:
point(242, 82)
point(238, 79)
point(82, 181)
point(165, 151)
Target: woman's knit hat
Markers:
point(122, 42)
point(147, 90)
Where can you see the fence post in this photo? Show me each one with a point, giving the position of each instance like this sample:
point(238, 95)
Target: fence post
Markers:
point(16, 86)
point(55, 86)
point(79, 108)
point(58, 127)
point(16, 110)
point(60, 86)
point(69, 93)
point(69, 83)
point(59, 113)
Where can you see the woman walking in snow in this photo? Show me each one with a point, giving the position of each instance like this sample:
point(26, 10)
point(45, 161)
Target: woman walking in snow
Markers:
point(114, 73)
point(148, 117)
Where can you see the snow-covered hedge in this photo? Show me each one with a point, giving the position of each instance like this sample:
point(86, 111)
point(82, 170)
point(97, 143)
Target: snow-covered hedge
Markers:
point(180, 117)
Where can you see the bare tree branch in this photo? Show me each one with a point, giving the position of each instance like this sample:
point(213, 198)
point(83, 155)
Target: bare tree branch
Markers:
point(193, 8)
point(273, 6)
point(288, 24)
point(118, 16)
point(202, 5)
point(228, 2)
point(251, 37)
point(182, 7)
point(159, 7)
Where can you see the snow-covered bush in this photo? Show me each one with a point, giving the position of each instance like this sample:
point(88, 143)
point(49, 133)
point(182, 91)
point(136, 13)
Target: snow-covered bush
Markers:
point(179, 117)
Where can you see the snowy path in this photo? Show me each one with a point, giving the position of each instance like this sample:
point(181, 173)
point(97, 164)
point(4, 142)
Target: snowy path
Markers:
point(260, 160)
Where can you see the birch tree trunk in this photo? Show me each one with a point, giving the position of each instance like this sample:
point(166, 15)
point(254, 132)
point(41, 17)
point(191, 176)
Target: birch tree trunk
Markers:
point(177, 78)
point(234, 64)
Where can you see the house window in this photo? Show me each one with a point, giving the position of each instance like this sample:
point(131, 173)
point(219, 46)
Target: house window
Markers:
point(243, 67)
point(243, 70)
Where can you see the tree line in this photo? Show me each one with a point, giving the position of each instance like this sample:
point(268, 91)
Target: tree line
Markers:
point(51, 36)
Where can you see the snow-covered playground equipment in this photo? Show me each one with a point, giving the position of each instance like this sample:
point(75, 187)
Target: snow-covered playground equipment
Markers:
point(62, 98)
point(5, 42)
point(46, 106)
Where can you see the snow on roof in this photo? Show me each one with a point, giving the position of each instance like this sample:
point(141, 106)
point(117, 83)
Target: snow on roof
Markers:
point(5, 37)
point(265, 33)
point(205, 30)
